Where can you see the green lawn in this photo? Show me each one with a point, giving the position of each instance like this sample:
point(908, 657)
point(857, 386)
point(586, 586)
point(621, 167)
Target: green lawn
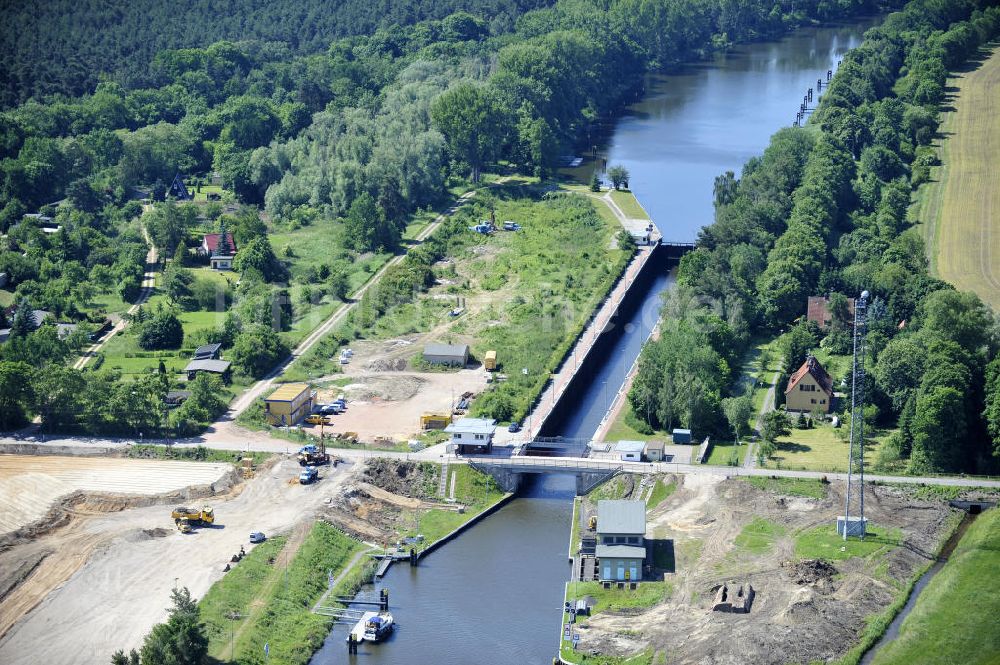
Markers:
point(726, 453)
point(629, 204)
point(812, 489)
point(823, 542)
point(621, 430)
point(277, 601)
point(473, 489)
point(759, 536)
point(955, 618)
point(816, 449)
point(661, 491)
point(614, 599)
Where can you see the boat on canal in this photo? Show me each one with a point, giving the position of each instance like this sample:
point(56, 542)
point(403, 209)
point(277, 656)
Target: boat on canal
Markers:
point(373, 627)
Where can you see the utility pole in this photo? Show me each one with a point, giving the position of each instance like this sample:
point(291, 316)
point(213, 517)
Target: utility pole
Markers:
point(857, 448)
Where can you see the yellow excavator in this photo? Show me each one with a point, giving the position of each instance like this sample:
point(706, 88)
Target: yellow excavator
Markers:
point(191, 516)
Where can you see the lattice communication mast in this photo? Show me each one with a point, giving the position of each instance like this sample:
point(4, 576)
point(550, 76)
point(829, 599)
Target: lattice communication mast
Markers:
point(856, 525)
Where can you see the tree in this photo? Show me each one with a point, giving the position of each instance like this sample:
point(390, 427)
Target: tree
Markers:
point(23, 322)
point(725, 189)
point(595, 182)
point(470, 122)
point(15, 393)
point(177, 282)
point(257, 349)
point(939, 426)
point(366, 227)
point(83, 196)
point(258, 255)
point(181, 640)
point(619, 176)
point(162, 331)
point(796, 345)
point(992, 412)
point(339, 284)
point(775, 424)
point(56, 392)
point(738, 411)
point(121, 658)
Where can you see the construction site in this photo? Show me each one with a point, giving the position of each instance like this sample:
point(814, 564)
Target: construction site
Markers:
point(92, 546)
point(753, 570)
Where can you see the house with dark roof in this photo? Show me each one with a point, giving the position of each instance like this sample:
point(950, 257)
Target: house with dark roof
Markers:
point(818, 310)
point(207, 352)
point(810, 388)
point(219, 367)
point(621, 540)
point(178, 190)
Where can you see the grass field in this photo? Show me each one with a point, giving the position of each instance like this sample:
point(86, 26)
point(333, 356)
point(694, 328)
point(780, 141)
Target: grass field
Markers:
point(759, 536)
point(621, 430)
point(957, 209)
point(812, 489)
point(823, 542)
point(629, 204)
point(955, 618)
point(726, 453)
point(820, 448)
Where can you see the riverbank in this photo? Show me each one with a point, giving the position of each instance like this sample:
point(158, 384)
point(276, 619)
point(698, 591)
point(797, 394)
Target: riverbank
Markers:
point(954, 618)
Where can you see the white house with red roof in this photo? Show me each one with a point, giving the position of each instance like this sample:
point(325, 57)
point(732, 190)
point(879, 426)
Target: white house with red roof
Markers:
point(220, 248)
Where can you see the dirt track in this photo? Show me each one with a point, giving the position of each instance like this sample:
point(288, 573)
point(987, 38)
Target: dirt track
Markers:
point(800, 613)
point(100, 582)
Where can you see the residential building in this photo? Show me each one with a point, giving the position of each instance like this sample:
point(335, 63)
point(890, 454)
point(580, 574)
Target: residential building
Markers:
point(456, 355)
point(810, 388)
point(207, 352)
point(220, 367)
point(621, 540)
point(289, 404)
point(178, 190)
point(472, 436)
point(220, 248)
point(818, 310)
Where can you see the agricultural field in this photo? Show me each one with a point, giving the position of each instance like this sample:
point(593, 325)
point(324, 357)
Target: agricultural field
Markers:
point(956, 210)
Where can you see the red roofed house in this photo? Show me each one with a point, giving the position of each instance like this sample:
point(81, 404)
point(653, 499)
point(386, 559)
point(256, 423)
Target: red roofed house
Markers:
point(809, 389)
point(220, 257)
point(818, 310)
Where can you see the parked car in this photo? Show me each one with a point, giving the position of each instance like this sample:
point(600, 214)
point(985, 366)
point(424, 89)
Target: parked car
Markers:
point(511, 226)
point(514, 427)
point(257, 537)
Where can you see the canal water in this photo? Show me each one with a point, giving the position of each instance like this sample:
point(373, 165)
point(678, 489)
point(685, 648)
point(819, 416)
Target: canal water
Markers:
point(494, 595)
point(713, 116)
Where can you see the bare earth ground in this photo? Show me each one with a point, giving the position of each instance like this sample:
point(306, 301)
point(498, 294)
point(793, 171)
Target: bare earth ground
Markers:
point(99, 580)
point(29, 485)
point(799, 615)
point(385, 401)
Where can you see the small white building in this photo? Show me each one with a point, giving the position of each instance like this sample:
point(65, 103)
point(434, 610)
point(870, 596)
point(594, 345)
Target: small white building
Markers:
point(630, 451)
point(472, 435)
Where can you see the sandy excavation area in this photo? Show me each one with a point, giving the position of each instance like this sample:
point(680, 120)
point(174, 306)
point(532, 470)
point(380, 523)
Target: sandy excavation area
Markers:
point(30, 485)
point(98, 581)
point(385, 400)
point(804, 610)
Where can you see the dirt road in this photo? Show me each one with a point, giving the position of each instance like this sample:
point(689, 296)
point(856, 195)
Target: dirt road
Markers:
point(130, 560)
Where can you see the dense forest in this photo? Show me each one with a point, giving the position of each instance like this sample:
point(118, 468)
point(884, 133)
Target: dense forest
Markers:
point(363, 133)
point(824, 211)
point(67, 47)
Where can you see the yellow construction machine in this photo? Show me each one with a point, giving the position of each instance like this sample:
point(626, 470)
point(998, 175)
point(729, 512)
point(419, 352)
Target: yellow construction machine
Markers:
point(193, 516)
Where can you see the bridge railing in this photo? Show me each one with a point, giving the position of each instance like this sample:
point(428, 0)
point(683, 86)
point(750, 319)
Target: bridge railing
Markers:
point(545, 462)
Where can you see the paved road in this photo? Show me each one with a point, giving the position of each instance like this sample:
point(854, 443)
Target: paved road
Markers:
point(438, 453)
